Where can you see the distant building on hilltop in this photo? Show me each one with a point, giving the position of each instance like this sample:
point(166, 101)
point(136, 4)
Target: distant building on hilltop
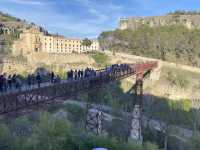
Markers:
point(34, 40)
point(189, 21)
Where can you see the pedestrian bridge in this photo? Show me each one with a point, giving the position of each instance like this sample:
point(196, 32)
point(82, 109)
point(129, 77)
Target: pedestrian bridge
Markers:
point(13, 101)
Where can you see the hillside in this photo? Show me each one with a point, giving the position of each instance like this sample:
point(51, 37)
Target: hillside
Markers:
point(10, 29)
point(174, 43)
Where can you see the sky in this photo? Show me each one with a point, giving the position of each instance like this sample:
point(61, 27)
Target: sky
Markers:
point(88, 18)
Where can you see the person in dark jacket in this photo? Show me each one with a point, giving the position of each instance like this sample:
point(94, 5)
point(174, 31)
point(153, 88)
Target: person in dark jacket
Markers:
point(10, 82)
point(52, 76)
point(18, 83)
point(5, 83)
point(1, 83)
point(14, 80)
point(29, 82)
point(38, 79)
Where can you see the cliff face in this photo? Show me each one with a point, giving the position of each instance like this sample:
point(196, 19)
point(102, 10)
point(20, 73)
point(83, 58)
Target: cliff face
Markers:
point(189, 21)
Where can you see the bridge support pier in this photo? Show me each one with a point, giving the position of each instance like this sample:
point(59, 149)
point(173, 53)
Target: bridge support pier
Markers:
point(136, 122)
point(94, 114)
point(94, 121)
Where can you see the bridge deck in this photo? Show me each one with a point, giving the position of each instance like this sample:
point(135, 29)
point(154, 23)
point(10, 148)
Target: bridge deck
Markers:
point(17, 100)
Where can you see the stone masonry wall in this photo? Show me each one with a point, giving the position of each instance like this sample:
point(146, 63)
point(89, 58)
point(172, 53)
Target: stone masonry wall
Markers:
point(189, 21)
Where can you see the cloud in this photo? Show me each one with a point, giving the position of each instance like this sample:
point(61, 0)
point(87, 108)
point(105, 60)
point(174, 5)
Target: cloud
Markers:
point(27, 2)
point(70, 22)
point(102, 12)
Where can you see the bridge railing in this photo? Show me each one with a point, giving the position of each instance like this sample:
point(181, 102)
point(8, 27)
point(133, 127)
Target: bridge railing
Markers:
point(141, 67)
point(14, 101)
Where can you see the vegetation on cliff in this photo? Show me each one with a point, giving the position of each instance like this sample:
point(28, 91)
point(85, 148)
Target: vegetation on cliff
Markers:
point(6, 42)
point(11, 25)
point(6, 17)
point(10, 29)
point(100, 59)
point(51, 133)
point(170, 43)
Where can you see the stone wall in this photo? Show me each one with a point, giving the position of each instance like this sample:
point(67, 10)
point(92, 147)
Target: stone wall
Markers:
point(54, 62)
point(12, 66)
point(189, 21)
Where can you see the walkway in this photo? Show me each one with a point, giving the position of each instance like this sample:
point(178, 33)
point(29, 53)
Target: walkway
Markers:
point(17, 100)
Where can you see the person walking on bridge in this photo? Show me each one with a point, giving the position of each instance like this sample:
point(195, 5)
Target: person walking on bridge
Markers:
point(52, 77)
point(14, 80)
point(18, 83)
point(1, 83)
point(29, 81)
point(75, 74)
point(39, 79)
point(9, 82)
point(32, 80)
point(5, 83)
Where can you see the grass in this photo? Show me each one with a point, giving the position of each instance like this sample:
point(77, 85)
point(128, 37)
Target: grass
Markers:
point(185, 73)
point(101, 59)
point(179, 77)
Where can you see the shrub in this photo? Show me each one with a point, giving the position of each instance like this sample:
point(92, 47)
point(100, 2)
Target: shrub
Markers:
point(100, 58)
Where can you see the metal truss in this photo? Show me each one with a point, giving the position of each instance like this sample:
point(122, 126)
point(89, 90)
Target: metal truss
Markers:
point(16, 101)
point(94, 121)
point(136, 123)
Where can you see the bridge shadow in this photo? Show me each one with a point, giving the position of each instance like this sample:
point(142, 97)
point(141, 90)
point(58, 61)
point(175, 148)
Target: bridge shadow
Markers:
point(162, 116)
point(177, 120)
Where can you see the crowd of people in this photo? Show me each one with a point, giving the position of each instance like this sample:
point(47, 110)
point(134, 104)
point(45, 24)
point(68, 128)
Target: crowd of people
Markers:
point(16, 82)
point(79, 74)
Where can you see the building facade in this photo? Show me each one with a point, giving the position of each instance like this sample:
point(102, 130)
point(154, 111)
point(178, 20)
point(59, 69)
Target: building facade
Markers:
point(33, 40)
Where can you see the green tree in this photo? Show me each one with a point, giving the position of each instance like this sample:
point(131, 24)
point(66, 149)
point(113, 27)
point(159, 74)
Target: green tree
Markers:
point(150, 146)
point(49, 134)
point(194, 142)
point(100, 58)
point(5, 137)
point(86, 42)
point(173, 43)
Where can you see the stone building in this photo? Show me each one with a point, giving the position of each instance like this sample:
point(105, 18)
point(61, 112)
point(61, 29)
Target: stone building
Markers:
point(6, 30)
point(28, 42)
point(33, 40)
point(189, 21)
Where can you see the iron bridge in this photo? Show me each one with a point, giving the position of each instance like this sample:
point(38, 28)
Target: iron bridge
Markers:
point(18, 100)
